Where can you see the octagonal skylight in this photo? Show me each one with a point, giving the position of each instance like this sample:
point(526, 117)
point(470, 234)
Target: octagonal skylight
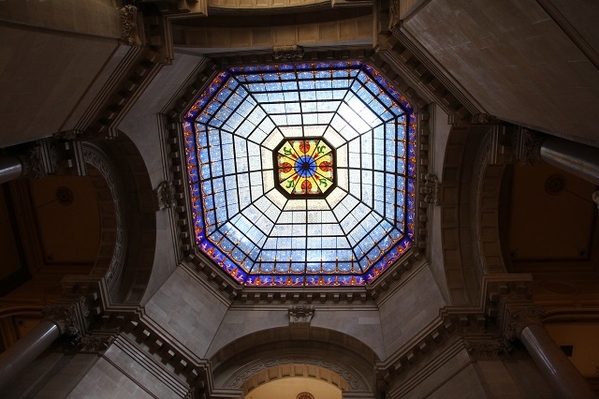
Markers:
point(302, 174)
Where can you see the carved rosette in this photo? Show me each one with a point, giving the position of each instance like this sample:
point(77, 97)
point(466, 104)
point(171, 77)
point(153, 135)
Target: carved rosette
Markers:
point(300, 315)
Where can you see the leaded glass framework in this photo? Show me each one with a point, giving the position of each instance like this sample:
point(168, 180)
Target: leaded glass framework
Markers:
point(262, 234)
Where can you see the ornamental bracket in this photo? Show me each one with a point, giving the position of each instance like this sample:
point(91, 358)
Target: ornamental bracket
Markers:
point(300, 315)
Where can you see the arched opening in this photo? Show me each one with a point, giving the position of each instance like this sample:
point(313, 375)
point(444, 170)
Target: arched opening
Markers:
point(295, 388)
point(307, 353)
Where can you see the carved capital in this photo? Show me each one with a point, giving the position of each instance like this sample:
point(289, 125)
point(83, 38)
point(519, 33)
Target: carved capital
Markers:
point(596, 198)
point(530, 144)
point(69, 317)
point(165, 195)
point(300, 315)
point(39, 161)
point(129, 25)
point(520, 316)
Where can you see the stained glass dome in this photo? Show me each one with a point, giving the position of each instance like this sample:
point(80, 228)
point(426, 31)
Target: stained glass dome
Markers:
point(302, 174)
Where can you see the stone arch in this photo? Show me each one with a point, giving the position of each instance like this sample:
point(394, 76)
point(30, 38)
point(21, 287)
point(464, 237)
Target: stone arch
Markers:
point(488, 191)
point(128, 232)
point(320, 353)
point(459, 180)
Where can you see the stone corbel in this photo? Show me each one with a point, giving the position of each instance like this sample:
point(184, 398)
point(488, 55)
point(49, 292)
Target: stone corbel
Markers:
point(165, 195)
point(95, 343)
point(430, 189)
point(300, 315)
point(129, 25)
point(486, 347)
point(394, 14)
point(287, 53)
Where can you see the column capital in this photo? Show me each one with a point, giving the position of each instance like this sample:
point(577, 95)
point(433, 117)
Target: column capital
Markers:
point(596, 198)
point(70, 317)
point(517, 316)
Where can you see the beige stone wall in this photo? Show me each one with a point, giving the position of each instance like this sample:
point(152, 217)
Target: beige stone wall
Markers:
point(448, 372)
point(90, 17)
point(105, 380)
point(43, 76)
point(187, 311)
point(522, 62)
point(144, 125)
point(409, 309)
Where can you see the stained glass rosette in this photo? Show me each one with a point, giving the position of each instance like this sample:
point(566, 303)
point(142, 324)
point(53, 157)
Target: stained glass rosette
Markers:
point(305, 167)
point(263, 233)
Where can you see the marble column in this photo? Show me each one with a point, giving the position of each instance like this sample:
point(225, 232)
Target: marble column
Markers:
point(26, 350)
point(10, 169)
point(67, 317)
point(577, 159)
point(557, 369)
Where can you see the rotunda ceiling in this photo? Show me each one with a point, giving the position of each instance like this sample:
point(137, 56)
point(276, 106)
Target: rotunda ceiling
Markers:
point(302, 174)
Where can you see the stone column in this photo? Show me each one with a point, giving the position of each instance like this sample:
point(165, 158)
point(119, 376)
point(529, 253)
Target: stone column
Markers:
point(523, 323)
point(10, 168)
point(26, 350)
point(68, 318)
point(577, 159)
point(42, 158)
